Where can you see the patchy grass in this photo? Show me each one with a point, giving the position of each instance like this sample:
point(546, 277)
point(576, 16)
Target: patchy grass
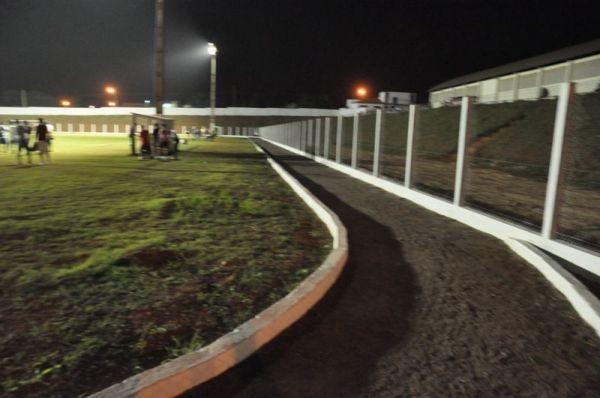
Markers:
point(110, 265)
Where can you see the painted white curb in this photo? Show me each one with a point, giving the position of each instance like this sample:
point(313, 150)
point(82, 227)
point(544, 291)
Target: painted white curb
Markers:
point(191, 370)
point(582, 300)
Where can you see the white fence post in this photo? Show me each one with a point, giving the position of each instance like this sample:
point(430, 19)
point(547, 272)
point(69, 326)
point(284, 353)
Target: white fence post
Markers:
point(412, 113)
point(105, 128)
point(116, 128)
point(561, 125)
point(59, 127)
point(317, 137)
point(70, 127)
point(354, 160)
point(338, 140)
point(326, 139)
point(377, 147)
point(303, 136)
point(309, 136)
point(463, 132)
point(93, 128)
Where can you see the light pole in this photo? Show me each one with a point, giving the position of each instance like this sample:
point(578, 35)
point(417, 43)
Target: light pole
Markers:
point(159, 56)
point(212, 51)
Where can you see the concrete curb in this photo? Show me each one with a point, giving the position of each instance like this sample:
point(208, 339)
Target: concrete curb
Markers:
point(188, 371)
point(582, 300)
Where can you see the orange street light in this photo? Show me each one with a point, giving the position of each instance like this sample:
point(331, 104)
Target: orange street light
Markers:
point(111, 103)
point(110, 90)
point(361, 92)
point(65, 102)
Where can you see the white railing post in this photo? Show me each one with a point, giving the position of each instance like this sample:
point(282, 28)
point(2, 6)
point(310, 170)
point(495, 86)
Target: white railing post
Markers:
point(377, 146)
point(317, 137)
point(463, 133)
point(309, 136)
point(326, 139)
point(561, 125)
point(410, 134)
point(304, 136)
point(354, 160)
point(338, 141)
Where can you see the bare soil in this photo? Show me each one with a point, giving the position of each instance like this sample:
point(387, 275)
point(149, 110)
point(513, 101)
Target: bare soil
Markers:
point(427, 307)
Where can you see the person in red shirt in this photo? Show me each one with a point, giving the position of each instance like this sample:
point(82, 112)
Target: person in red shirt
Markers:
point(164, 140)
point(145, 139)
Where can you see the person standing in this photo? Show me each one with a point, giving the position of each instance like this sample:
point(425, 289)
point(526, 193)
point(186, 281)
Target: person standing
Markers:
point(41, 135)
point(155, 138)
point(132, 130)
point(175, 143)
point(164, 140)
point(23, 132)
point(146, 152)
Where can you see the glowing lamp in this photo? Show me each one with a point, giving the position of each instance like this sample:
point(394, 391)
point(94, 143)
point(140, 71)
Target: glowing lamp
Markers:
point(361, 92)
point(212, 49)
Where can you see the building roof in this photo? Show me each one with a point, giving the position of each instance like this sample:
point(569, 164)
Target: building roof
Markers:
point(369, 101)
point(565, 54)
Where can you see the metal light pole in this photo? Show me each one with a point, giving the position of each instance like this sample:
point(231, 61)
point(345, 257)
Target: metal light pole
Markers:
point(159, 56)
point(212, 50)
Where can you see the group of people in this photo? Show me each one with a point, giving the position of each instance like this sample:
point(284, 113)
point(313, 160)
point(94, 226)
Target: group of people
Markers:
point(41, 144)
point(163, 142)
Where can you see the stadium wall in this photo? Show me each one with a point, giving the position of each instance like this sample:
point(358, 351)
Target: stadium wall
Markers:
point(118, 120)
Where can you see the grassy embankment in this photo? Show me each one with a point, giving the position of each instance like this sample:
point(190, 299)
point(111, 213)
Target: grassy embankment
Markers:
point(507, 161)
point(110, 265)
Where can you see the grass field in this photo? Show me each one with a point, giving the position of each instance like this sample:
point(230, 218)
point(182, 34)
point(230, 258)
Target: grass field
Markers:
point(110, 265)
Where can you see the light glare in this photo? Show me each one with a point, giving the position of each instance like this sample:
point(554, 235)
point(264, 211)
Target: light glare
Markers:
point(212, 49)
point(361, 92)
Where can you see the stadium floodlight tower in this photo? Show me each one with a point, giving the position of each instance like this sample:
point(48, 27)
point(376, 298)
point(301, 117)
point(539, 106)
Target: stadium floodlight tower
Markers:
point(212, 51)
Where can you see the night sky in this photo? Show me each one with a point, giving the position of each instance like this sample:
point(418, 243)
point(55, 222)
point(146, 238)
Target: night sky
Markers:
point(273, 52)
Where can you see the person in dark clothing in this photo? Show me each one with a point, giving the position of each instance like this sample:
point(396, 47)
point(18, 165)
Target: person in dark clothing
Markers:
point(146, 152)
point(132, 138)
point(164, 140)
point(23, 132)
point(175, 143)
point(41, 135)
point(155, 138)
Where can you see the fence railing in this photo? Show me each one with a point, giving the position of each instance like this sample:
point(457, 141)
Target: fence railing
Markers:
point(531, 165)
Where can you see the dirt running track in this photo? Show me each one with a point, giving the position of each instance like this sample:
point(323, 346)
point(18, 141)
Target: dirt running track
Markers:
point(427, 307)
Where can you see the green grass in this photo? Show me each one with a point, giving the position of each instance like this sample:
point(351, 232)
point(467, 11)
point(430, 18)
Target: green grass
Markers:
point(110, 265)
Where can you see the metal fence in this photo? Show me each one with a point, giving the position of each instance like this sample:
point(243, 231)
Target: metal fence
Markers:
point(533, 164)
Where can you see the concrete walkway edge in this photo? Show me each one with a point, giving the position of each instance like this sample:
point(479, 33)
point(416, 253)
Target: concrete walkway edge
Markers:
point(582, 300)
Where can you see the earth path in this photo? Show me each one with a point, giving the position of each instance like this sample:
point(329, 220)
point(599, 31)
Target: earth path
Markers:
point(426, 307)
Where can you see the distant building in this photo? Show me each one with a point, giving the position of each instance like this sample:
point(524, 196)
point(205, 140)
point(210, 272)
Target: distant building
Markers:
point(530, 78)
point(385, 100)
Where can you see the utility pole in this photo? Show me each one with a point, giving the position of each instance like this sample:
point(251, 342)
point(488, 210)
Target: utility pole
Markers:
point(24, 98)
point(159, 56)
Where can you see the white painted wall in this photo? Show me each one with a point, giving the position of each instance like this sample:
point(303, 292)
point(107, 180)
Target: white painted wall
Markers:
point(112, 111)
point(585, 72)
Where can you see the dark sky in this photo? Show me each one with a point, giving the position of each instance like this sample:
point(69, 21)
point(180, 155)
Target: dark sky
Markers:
point(273, 52)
